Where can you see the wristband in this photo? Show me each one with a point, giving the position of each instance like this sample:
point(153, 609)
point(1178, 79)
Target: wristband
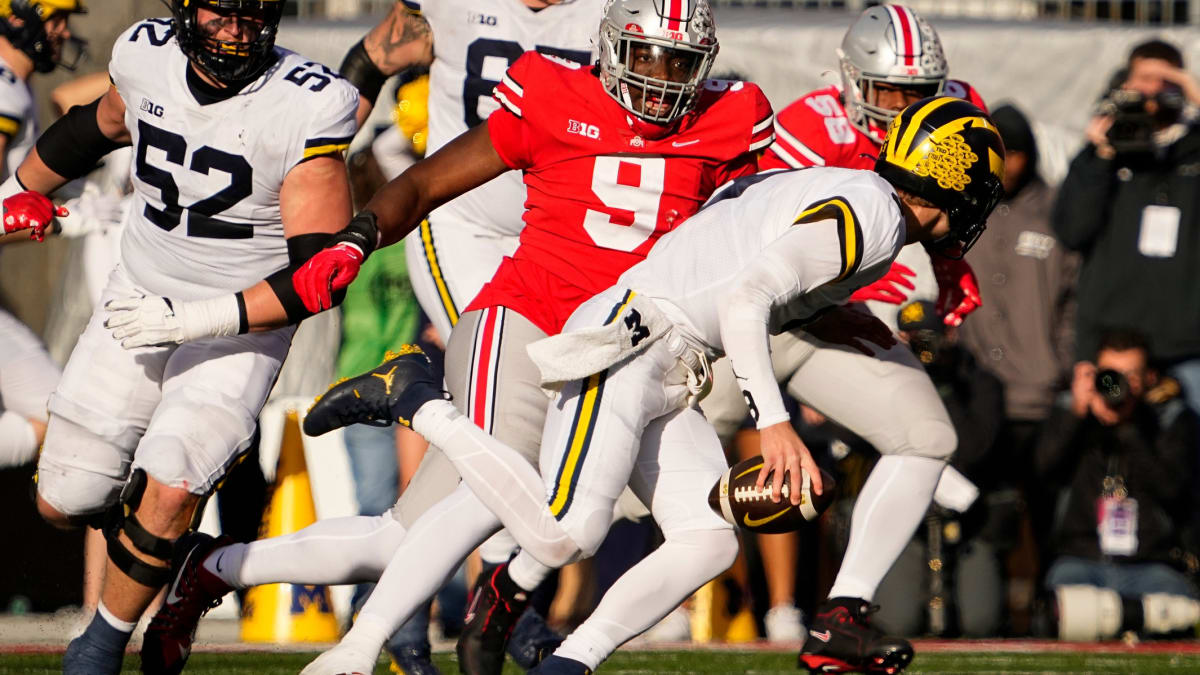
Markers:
point(362, 232)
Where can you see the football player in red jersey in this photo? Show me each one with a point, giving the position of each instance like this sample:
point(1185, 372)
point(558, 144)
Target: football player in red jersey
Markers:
point(613, 157)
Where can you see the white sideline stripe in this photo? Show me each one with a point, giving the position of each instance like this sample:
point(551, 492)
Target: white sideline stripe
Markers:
point(808, 153)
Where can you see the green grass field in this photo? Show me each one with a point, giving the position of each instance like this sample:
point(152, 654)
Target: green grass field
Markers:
point(696, 661)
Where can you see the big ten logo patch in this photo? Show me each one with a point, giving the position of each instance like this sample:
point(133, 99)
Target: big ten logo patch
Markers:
point(304, 597)
point(583, 129)
point(150, 107)
point(481, 19)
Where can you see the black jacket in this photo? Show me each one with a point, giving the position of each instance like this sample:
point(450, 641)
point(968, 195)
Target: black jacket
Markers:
point(1099, 212)
point(1154, 454)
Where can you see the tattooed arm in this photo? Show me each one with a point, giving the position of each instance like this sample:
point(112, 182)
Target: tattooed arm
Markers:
point(402, 40)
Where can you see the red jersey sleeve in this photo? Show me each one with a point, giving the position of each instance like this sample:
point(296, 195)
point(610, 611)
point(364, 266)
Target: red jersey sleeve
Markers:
point(809, 132)
point(760, 135)
point(963, 90)
point(508, 127)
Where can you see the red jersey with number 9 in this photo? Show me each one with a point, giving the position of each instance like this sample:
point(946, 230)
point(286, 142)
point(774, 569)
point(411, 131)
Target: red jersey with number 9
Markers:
point(602, 186)
point(815, 131)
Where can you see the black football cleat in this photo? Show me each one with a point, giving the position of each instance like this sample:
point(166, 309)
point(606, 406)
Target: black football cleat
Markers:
point(193, 591)
point(841, 639)
point(388, 393)
point(495, 606)
point(558, 665)
point(532, 640)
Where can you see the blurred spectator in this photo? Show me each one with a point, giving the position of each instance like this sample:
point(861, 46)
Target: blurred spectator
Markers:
point(1023, 334)
point(1127, 205)
point(948, 578)
point(1123, 452)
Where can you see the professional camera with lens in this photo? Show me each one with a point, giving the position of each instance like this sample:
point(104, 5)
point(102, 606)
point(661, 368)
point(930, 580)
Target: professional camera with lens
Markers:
point(1112, 387)
point(1135, 117)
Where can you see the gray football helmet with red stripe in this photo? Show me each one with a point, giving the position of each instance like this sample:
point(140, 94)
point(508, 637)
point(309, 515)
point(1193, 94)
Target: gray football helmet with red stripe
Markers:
point(894, 45)
point(681, 29)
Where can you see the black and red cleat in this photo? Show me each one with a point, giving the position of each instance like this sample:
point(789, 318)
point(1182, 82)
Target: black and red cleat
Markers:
point(841, 639)
point(496, 605)
point(193, 591)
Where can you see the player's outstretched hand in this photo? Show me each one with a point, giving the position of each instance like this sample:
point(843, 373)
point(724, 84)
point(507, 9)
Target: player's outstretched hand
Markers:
point(326, 273)
point(150, 320)
point(852, 327)
point(889, 288)
point(784, 455)
point(30, 210)
point(958, 289)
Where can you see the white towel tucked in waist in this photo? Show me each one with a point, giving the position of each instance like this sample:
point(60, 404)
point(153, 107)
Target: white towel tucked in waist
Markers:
point(576, 354)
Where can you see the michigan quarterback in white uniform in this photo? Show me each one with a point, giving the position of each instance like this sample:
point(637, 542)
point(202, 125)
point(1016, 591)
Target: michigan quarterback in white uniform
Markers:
point(633, 360)
point(32, 36)
point(239, 177)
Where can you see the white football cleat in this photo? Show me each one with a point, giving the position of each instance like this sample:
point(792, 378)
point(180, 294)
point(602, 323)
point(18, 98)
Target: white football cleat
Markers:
point(341, 660)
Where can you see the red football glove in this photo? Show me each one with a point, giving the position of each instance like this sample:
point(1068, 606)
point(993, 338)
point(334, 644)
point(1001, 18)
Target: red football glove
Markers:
point(958, 289)
point(887, 288)
point(327, 272)
point(32, 211)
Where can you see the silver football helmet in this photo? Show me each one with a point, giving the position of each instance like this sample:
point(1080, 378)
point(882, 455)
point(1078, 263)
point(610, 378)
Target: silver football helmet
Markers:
point(894, 45)
point(675, 29)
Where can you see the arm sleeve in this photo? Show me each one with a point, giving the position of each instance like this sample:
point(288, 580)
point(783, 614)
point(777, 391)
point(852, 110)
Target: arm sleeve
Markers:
point(1082, 207)
point(510, 130)
point(799, 261)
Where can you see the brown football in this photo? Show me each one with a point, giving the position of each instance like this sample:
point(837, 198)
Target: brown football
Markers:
point(739, 501)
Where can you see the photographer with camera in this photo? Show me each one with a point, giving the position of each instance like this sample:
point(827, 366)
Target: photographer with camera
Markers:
point(1122, 448)
point(1129, 204)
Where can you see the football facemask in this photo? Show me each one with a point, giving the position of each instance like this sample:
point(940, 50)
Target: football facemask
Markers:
point(947, 151)
point(255, 22)
point(889, 45)
point(654, 54)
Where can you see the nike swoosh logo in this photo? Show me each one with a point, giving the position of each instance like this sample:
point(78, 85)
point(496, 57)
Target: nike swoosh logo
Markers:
point(823, 637)
point(751, 522)
point(677, 144)
point(172, 596)
point(219, 558)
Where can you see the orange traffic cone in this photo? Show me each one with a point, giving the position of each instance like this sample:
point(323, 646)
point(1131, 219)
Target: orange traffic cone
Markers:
point(287, 612)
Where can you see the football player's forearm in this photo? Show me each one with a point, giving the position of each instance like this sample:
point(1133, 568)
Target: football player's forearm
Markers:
point(264, 310)
point(461, 165)
point(400, 41)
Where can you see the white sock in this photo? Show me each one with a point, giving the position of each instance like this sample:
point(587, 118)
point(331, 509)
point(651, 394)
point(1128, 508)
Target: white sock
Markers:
point(891, 505)
point(427, 557)
point(648, 591)
point(527, 572)
point(498, 548)
point(501, 478)
point(346, 550)
point(112, 620)
point(366, 636)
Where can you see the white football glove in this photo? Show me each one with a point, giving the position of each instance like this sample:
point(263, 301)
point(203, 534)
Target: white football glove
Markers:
point(148, 321)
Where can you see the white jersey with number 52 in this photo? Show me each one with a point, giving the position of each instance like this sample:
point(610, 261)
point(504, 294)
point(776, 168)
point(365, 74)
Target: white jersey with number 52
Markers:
point(207, 171)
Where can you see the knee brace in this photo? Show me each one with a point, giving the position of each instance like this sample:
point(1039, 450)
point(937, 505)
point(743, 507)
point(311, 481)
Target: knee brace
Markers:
point(121, 518)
